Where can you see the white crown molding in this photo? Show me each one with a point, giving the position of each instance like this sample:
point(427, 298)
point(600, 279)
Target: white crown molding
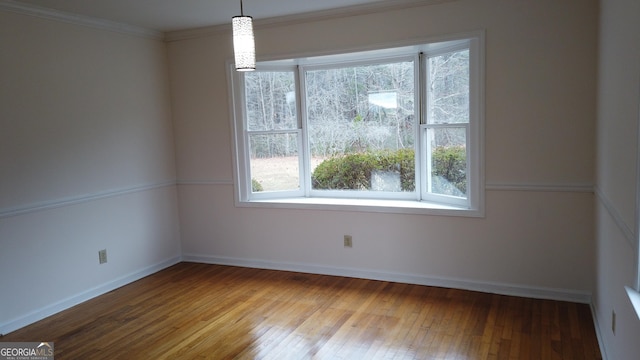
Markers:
point(305, 17)
point(103, 24)
point(76, 19)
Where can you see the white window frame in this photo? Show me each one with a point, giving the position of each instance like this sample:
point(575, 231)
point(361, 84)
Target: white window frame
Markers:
point(246, 173)
point(634, 291)
point(306, 198)
point(472, 130)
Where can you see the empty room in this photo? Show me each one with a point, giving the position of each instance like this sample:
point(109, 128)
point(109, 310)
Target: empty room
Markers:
point(343, 179)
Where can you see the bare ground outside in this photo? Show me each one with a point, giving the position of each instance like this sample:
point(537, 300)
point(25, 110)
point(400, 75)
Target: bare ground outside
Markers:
point(279, 173)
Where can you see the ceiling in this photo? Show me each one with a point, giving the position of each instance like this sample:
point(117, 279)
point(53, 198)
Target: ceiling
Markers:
point(170, 15)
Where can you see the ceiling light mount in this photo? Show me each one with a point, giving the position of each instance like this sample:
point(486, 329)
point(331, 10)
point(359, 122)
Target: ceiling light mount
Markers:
point(244, 47)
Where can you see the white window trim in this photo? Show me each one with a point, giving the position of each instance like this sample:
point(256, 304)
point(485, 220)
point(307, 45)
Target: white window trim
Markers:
point(294, 200)
point(634, 292)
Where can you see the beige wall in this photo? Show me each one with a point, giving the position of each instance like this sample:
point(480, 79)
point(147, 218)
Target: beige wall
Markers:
point(86, 163)
point(86, 111)
point(617, 183)
point(539, 134)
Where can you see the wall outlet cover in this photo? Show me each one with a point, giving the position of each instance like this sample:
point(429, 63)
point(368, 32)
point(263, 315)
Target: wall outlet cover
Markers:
point(102, 256)
point(348, 241)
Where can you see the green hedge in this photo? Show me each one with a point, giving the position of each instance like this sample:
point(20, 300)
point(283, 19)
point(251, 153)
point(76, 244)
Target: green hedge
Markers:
point(256, 186)
point(450, 170)
point(353, 171)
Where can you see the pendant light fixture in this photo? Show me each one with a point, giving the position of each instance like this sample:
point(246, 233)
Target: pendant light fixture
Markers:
point(244, 46)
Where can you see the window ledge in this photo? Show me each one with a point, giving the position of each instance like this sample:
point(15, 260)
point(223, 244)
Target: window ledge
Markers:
point(634, 296)
point(364, 205)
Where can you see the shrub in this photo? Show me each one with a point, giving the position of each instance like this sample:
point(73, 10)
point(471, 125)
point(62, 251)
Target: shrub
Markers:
point(353, 171)
point(256, 186)
point(450, 170)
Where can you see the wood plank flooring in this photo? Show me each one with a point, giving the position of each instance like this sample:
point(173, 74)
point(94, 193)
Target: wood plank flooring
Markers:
point(200, 311)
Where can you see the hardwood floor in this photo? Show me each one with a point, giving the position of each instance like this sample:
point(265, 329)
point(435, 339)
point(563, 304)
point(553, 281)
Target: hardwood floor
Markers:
point(199, 311)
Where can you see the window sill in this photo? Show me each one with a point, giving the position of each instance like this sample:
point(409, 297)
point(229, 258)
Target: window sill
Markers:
point(634, 296)
point(364, 205)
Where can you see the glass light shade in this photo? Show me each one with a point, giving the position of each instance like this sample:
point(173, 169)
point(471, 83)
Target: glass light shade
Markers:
point(244, 47)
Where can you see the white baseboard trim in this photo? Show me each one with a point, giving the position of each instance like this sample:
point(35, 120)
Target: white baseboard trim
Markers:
point(488, 287)
point(596, 325)
point(52, 309)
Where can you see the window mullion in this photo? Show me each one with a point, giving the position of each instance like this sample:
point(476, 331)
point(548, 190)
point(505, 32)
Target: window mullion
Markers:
point(244, 161)
point(422, 87)
point(301, 98)
point(419, 146)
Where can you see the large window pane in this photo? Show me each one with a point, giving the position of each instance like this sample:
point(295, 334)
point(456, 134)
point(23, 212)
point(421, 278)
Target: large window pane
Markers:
point(270, 100)
point(447, 154)
point(448, 91)
point(361, 127)
point(275, 164)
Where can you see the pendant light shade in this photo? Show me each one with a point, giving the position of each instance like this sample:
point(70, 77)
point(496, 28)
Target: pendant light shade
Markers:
point(244, 47)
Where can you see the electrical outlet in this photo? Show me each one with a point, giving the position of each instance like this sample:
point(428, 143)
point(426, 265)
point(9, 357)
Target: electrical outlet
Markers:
point(613, 321)
point(102, 256)
point(348, 241)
